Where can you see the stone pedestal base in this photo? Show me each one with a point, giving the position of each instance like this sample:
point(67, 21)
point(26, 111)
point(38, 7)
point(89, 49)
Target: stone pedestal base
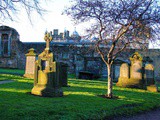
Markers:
point(152, 88)
point(46, 91)
point(130, 82)
point(31, 76)
point(122, 82)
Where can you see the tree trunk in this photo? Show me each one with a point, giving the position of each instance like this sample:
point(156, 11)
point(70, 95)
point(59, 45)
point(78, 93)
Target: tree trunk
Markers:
point(109, 94)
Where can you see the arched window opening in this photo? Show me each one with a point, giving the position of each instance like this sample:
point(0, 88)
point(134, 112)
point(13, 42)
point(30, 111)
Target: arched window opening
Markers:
point(5, 44)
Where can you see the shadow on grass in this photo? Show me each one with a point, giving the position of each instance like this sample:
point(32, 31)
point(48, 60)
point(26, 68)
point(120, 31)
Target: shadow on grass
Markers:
point(9, 76)
point(91, 82)
point(80, 101)
point(76, 105)
point(86, 89)
point(72, 106)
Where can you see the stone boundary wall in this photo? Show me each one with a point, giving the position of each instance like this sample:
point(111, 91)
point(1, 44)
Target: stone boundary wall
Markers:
point(79, 58)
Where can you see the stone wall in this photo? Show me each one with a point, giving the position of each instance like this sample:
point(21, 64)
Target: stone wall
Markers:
point(78, 56)
point(78, 60)
point(9, 50)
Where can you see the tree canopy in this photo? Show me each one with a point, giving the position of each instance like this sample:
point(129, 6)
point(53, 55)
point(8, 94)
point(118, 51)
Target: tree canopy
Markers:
point(10, 8)
point(118, 24)
point(118, 18)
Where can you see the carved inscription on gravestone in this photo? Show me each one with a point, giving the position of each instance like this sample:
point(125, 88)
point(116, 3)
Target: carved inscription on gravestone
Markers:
point(30, 65)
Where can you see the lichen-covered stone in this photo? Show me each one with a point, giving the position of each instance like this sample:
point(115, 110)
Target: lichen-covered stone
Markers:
point(30, 64)
point(152, 88)
point(138, 76)
point(47, 74)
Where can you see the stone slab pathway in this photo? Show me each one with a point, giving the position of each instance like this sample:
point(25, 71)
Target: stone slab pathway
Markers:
point(6, 81)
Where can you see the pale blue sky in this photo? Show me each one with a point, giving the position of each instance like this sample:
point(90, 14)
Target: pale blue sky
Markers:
point(52, 20)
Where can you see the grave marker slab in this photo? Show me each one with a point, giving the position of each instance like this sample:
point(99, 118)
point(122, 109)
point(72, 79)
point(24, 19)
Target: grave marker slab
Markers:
point(149, 74)
point(136, 70)
point(124, 75)
point(138, 76)
point(30, 63)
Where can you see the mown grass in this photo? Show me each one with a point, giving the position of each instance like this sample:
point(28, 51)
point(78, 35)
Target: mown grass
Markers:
point(80, 101)
point(12, 71)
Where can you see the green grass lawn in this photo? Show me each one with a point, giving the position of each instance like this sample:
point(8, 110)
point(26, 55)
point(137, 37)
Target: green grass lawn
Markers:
point(12, 71)
point(80, 101)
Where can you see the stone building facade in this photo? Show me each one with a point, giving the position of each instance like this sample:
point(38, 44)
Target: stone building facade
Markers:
point(9, 47)
point(65, 36)
point(78, 55)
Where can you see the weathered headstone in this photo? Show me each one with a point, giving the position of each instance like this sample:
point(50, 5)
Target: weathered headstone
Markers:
point(124, 75)
point(138, 76)
point(149, 78)
point(30, 63)
point(47, 73)
point(149, 74)
point(64, 74)
point(124, 70)
point(136, 66)
point(136, 71)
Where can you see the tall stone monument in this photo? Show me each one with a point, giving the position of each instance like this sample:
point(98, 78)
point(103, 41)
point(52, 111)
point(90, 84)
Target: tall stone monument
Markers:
point(30, 63)
point(136, 70)
point(47, 73)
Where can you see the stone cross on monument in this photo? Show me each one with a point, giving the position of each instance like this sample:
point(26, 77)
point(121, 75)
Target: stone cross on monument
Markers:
point(48, 38)
point(47, 76)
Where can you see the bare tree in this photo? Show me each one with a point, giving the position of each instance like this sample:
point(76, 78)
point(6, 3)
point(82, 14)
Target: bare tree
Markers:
point(9, 8)
point(118, 24)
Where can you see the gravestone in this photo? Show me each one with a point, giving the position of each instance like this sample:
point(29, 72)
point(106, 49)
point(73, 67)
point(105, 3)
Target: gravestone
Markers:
point(47, 73)
point(136, 75)
point(136, 71)
point(149, 74)
point(149, 78)
point(124, 71)
point(124, 75)
point(64, 74)
point(136, 66)
point(30, 63)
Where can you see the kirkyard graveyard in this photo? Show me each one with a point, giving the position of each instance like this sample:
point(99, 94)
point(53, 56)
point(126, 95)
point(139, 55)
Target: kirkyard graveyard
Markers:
point(109, 72)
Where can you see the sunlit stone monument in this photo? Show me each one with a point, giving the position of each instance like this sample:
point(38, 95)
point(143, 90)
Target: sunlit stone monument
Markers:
point(136, 79)
point(30, 63)
point(131, 76)
point(124, 75)
point(47, 73)
point(139, 74)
